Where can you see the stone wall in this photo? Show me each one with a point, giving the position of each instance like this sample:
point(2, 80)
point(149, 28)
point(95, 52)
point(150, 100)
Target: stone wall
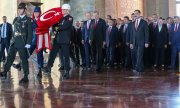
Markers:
point(8, 9)
point(116, 8)
point(160, 7)
point(172, 7)
point(80, 7)
point(121, 8)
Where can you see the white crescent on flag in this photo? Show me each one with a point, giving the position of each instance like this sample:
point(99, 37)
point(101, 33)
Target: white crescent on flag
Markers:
point(46, 20)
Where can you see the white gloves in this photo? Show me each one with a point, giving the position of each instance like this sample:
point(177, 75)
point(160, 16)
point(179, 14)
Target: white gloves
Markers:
point(27, 46)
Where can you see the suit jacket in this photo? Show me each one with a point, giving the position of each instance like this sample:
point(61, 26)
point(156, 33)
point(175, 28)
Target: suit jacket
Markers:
point(9, 31)
point(64, 31)
point(98, 32)
point(175, 36)
point(160, 38)
point(86, 32)
point(78, 36)
point(128, 34)
point(124, 35)
point(152, 32)
point(120, 34)
point(140, 36)
point(111, 38)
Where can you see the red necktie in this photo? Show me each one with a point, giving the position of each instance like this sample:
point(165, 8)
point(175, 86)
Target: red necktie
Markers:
point(176, 28)
point(136, 24)
point(154, 25)
point(169, 28)
point(95, 25)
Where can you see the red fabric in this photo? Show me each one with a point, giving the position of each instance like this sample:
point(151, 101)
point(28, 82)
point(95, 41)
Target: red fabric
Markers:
point(50, 17)
point(46, 20)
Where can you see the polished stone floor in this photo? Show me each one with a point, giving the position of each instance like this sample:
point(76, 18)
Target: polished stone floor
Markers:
point(113, 88)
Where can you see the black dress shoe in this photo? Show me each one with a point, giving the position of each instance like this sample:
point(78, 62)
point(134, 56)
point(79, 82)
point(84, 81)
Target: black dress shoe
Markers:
point(88, 69)
point(171, 67)
point(17, 66)
point(98, 69)
point(66, 75)
point(162, 68)
point(3, 74)
point(24, 80)
point(47, 70)
point(61, 68)
point(82, 65)
point(39, 75)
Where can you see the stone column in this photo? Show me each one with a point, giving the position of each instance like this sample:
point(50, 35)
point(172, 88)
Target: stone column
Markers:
point(100, 6)
point(172, 8)
point(150, 7)
point(80, 7)
point(111, 8)
point(163, 8)
point(8, 9)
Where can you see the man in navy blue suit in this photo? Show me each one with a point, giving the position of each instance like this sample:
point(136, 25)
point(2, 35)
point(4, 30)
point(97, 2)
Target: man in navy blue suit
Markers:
point(86, 37)
point(175, 41)
point(6, 34)
point(139, 39)
point(132, 51)
point(111, 42)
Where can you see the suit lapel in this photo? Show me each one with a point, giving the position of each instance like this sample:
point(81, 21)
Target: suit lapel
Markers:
point(140, 24)
point(178, 28)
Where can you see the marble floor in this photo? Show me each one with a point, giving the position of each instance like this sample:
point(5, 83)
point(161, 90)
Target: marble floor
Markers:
point(113, 88)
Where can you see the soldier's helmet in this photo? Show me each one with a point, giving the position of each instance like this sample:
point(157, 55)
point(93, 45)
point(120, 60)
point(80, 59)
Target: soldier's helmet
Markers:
point(37, 9)
point(22, 6)
point(66, 6)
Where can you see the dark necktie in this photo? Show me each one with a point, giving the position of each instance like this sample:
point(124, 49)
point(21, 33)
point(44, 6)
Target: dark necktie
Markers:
point(154, 25)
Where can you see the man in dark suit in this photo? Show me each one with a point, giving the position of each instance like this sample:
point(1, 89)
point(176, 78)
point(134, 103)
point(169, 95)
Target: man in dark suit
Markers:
point(125, 43)
point(111, 42)
point(168, 49)
point(79, 48)
point(139, 39)
point(98, 33)
point(160, 42)
point(87, 26)
point(6, 33)
point(132, 51)
point(148, 58)
point(118, 48)
point(175, 41)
